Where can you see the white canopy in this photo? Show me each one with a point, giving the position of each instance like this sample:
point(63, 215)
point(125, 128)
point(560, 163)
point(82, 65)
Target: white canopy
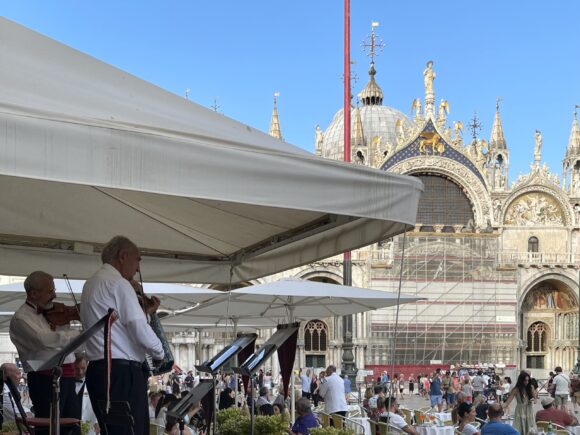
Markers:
point(88, 151)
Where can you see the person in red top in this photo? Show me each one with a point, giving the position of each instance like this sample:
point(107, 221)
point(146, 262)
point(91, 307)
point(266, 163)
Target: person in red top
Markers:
point(555, 415)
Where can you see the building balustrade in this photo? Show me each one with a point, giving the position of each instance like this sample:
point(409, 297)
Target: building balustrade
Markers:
point(538, 258)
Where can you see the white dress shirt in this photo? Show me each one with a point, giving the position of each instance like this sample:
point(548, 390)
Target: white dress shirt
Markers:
point(33, 338)
point(9, 405)
point(131, 336)
point(332, 391)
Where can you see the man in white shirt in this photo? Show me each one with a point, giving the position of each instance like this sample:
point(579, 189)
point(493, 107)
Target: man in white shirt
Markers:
point(306, 383)
point(332, 391)
point(10, 371)
point(35, 340)
point(394, 418)
point(562, 383)
point(131, 336)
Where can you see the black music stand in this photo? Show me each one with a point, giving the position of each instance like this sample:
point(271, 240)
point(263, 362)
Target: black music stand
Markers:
point(55, 362)
point(180, 409)
point(214, 364)
point(258, 358)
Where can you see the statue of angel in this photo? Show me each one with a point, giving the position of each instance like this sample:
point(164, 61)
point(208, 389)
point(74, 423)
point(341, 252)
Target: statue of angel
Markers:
point(443, 110)
point(416, 106)
point(458, 130)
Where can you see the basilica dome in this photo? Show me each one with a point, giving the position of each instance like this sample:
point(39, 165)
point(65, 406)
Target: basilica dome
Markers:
point(378, 121)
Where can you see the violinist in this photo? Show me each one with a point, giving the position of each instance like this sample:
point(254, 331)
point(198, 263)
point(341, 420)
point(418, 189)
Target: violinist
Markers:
point(36, 339)
point(131, 336)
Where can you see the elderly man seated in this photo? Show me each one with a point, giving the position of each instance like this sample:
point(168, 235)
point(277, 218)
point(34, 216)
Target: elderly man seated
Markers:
point(495, 426)
point(306, 419)
point(10, 371)
point(558, 416)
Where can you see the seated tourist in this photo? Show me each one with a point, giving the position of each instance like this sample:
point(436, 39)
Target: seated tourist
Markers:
point(495, 426)
point(394, 417)
point(227, 398)
point(379, 391)
point(466, 416)
point(266, 409)
point(306, 419)
point(558, 416)
point(264, 398)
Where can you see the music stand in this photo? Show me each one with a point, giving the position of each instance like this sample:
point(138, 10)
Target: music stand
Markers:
point(258, 358)
point(55, 362)
point(213, 365)
point(181, 408)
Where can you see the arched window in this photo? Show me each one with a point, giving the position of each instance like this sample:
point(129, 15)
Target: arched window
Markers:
point(537, 337)
point(443, 202)
point(533, 244)
point(315, 334)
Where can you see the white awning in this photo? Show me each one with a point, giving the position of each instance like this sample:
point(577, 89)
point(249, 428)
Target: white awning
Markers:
point(88, 151)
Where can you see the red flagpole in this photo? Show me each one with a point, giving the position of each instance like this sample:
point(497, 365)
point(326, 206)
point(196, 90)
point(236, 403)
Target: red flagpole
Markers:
point(347, 258)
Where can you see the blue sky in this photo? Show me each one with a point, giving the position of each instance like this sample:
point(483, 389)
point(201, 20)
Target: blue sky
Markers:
point(528, 53)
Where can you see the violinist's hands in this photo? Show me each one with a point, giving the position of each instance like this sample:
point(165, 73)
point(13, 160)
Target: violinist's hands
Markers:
point(152, 304)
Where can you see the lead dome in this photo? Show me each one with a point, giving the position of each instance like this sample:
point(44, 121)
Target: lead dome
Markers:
point(377, 121)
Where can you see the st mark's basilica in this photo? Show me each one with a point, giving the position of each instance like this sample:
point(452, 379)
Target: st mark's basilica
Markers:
point(497, 263)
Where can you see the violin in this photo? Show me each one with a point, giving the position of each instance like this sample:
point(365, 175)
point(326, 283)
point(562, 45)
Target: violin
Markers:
point(60, 314)
point(149, 305)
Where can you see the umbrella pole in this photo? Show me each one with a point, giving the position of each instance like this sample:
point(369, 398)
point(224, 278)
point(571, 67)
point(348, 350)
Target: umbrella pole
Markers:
point(235, 375)
point(293, 397)
point(293, 390)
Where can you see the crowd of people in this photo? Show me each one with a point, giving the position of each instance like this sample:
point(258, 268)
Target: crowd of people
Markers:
point(482, 397)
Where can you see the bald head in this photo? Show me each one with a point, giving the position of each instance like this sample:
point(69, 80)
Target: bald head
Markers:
point(10, 371)
point(494, 411)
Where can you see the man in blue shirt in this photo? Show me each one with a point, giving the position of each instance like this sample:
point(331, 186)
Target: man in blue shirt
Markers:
point(495, 425)
point(306, 419)
point(435, 394)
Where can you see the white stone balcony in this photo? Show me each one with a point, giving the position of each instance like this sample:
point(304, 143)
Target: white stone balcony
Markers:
point(539, 259)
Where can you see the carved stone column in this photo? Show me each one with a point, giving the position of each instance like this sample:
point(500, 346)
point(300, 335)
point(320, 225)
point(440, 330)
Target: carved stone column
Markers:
point(190, 360)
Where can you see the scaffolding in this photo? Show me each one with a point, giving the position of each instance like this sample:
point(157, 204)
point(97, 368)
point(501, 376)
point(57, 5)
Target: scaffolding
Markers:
point(469, 315)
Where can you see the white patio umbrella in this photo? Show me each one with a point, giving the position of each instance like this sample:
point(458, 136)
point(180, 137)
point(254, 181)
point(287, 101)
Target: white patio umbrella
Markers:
point(175, 298)
point(290, 300)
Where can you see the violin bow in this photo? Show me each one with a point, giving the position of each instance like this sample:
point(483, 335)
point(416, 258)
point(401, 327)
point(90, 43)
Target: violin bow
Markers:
point(65, 276)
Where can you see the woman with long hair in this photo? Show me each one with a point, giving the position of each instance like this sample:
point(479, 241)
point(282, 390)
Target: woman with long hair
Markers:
point(466, 415)
point(525, 394)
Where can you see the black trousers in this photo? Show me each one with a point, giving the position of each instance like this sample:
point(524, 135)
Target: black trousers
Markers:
point(40, 389)
point(128, 384)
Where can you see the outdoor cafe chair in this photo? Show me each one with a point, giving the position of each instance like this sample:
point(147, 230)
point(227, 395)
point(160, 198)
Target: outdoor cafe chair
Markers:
point(379, 428)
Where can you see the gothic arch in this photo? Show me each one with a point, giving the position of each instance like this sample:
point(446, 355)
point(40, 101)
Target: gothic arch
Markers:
point(532, 283)
point(471, 185)
point(561, 201)
point(316, 274)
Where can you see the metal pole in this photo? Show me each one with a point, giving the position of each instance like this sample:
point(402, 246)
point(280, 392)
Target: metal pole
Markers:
point(577, 367)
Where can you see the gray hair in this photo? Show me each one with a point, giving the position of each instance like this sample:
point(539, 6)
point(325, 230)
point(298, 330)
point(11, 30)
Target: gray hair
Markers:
point(303, 406)
point(113, 248)
point(34, 280)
